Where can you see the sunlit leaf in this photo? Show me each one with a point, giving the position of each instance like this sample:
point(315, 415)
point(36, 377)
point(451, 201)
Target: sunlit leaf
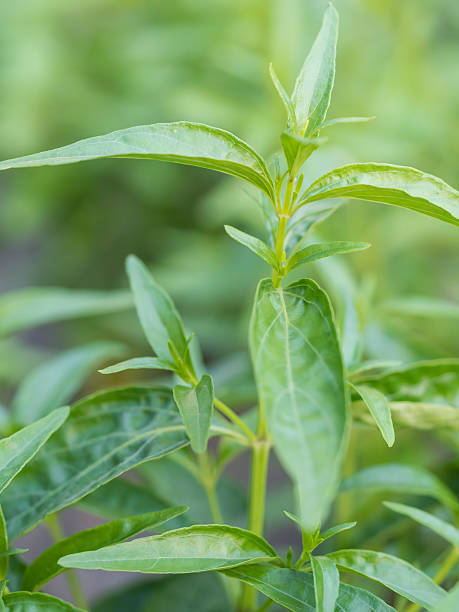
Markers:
point(344, 120)
point(422, 306)
point(196, 407)
point(450, 603)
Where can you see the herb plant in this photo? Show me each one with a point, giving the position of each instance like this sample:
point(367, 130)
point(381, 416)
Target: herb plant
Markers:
point(313, 386)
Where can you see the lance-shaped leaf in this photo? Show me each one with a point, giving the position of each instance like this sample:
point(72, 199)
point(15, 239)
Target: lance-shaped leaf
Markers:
point(313, 87)
point(379, 407)
point(344, 121)
point(196, 407)
point(45, 566)
point(418, 415)
point(445, 530)
point(138, 363)
point(422, 306)
point(298, 149)
point(21, 601)
point(295, 590)
point(18, 449)
point(26, 308)
point(54, 382)
point(256, 245)
point(326, 583)
point(3, 548)
point(291, 118)
point(300, 379)
point(394, 573)
point(321, 250)
point(194, 144)
point(389, 184)
point(401, 479)
point(105, 435)
point(198, 548)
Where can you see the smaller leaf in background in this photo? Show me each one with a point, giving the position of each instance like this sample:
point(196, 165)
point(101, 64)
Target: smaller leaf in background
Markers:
point(325, 249)
point(196, 407)
point(138, 363)
point(422, 306)
point(370, 367)
point(451, 602)
point(45, 566)
point(256, 245)
point(18, 449)
point(3, 548)
point(198, 548)
point(298, 149)
point(326, 583)
point(291, 118)
point(344, 120)
point(379, 407)
point(396, 574)
point(21, 601)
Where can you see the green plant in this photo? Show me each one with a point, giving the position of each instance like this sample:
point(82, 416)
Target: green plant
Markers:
point(308, 399)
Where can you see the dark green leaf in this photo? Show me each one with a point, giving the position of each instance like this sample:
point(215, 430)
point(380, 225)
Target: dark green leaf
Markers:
point(325, 249)
point(378, 405)
point(36, 602)
point(196, 406)
point(254, 244)
point(298, 149)
point(326, 583)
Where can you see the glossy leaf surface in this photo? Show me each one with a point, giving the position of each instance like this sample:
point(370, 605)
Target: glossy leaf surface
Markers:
point(326, 583)
point(321, 250)
point(256, 245)
point(196, 406)
point(379, 407)
point(21, 601)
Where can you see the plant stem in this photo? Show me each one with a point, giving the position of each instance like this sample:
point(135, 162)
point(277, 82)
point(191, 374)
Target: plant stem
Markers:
point(208, 482)
point(226, 410)
point(76, 590)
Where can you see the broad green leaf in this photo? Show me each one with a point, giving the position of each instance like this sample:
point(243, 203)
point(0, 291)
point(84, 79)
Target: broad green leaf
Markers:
point(422, 306)
point(326, 583)
point(344, 120)
point(298, 149)
point(379, 407)
point(196, 406)
point(394, 573)
point(21, 601)
point(138, 363)
point(325, 249)
point(45, 566)
point(54, 382)
point(3, 548)
point(389, 184)
point(451, 602)
point(401, 479)
point(105, 435)
point(198, 548)
point(443, 529)
point(313, 87)
point(291, 118)
point(300, 379)
point(254, 244)
point(182, 142)
point(33, 306)
point(18, 449)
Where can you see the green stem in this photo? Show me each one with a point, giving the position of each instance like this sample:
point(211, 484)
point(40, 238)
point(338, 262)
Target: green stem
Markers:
point(226, 410)
point(76, 590)
point(208, 481)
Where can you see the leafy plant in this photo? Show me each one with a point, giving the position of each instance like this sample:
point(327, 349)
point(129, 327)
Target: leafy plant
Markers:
point(309, 399)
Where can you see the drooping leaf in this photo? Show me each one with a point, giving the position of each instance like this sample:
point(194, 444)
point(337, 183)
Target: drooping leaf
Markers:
point(291, 118)
point(389, 184)
point(313, 87)
point(325, 249)
point(45, 566)
point(21, 601)
point(105, 435)
point(300, 379)
point(256, 245)
point(394, 573)
point(3, 548)
point(298, 149)
point(326, 583)
point(182, 142)
point(138, 363)
point(198, 548)
point(379, 407)
point(196, 407)
point(401, 479)
point(18, 449)
point(54, 382)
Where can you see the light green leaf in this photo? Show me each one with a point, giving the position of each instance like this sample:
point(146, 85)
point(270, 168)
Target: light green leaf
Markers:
point(443, 529)
point(198, 548)
point(332, 531)
point(3, 548)
point(394, 573)
point(45, 566)
point(417, 415)
point(389, 184)
point(105, 435)
point(54, 382)
point(194, 144)
point(326, 583)
point(298, 149)
point(18, 449)
point(21, 601)
point(291, 118)
point(451, 602)
point(33, 306)
point(379, 407)
point(422, 306)
point(344, 120)
point(313, 87)
point(300, 379)
point(139, 363)
point(254, 244)
point(196, 406)
point(325, 249)
point(401, 479)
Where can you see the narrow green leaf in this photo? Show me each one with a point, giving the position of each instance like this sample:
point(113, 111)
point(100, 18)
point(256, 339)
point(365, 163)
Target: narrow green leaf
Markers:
point(198, 548)
point(196, 407)
point(344, 120)
point(21, 601)
point(326, 583)
point(54, 382)
point(33, 306)
point(371, 367)
point(300, 379)
point(332, 531)
point(422, 306)
point(194, 144)
point(389, 184)
point(298, 149)
point(105, 435)
point(256, 245)
point(45, 566)
point(139, 363)
point(396, 574)
point(401, 479)
point(445, 530)
point(418, 415)
point(313, 87)
point(291, 118)
point(13, 551)
point(324, 249)
point(451, 602)
point(3, 548)
point(379, 407)
point(18, 449)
